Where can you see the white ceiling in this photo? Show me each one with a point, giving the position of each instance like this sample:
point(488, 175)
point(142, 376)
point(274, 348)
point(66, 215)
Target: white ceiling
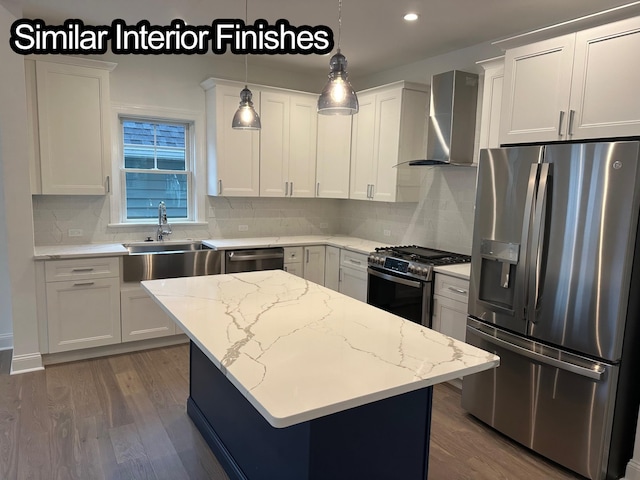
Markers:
point(374, 35)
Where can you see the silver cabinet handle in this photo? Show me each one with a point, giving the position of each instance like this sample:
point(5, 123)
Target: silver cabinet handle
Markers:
point(220, 186)
point(458, 290)
point(357, 262)
point(86, 269)
point(286, 189)
point(572, 114)
point(108, 184)
point(318, 189)
point(560, 122)
point(292, 189)
point(368, 190)
point(307, 256)
point(82, 284)
point(373, 190)
point(339, 275)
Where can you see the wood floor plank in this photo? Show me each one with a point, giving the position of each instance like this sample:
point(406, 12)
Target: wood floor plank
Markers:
point(9, 406)
point(126, 443)
point(112, 402)
point(34, 437)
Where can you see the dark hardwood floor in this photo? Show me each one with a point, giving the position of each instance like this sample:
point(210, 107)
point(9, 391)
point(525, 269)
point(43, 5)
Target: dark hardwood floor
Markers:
point(123, 417)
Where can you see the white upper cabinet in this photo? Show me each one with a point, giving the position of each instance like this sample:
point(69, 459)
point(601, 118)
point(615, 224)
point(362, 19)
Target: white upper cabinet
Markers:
point(389, 129)
point(69, 117)
point(491, 102)
point(233, 156)
point(537, 81)
point(606, 75)
point(333, 156)
point(577, 86)
point(288, 144)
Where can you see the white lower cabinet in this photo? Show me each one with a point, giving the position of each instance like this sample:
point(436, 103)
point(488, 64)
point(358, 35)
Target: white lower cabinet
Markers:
point(353, 275)
point(293, 261)
point(142, 318)
point(450, 302)
point(314, 257)
point(306, 262)
point(332, 268)
point(83, 304)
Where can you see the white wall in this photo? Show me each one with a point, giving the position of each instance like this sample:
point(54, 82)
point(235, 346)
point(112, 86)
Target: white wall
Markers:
point(17, 251)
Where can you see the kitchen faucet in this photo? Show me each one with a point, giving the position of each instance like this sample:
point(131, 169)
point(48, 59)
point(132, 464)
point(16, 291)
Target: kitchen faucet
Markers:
point(163, 227)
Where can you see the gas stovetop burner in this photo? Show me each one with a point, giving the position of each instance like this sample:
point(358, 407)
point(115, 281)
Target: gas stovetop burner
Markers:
point(413, 261)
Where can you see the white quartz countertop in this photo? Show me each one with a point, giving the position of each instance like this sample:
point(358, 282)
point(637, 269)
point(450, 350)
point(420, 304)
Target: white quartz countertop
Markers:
point(299, 351)
point(350, 243)
point(53, 252)
point(462, 270)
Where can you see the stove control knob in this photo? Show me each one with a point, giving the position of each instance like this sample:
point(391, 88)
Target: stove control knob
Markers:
point(412, 269)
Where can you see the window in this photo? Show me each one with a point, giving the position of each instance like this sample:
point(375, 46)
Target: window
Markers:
point(157, 166)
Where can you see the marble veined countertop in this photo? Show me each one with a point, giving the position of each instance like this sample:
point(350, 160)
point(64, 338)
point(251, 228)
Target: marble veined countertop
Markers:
point(461, 270)
point(359, 245)
point(298, 351)
point(54, 252)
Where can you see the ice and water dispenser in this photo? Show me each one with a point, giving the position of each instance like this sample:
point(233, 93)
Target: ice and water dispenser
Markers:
point(498, 272)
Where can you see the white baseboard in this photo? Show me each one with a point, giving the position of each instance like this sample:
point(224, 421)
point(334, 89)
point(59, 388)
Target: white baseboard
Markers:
point(6, 341)
point(26, 363)
point(633, 470)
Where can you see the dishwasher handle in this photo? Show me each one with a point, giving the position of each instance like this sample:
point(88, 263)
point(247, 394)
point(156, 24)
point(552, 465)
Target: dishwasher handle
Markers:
point(235, 257)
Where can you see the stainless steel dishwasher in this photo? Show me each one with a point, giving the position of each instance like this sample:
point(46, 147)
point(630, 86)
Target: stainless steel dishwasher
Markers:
point(248, 260)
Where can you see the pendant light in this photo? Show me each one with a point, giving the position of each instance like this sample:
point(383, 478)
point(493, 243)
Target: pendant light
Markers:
point(338, 96)
point(246, 117)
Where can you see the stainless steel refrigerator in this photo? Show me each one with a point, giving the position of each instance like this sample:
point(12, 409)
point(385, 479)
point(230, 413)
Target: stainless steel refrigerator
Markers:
point(555, 289)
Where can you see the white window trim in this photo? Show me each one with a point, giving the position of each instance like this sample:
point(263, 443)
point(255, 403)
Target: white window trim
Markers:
point(198, 175)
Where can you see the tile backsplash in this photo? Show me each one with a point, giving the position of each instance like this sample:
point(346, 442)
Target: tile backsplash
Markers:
point(442, 219)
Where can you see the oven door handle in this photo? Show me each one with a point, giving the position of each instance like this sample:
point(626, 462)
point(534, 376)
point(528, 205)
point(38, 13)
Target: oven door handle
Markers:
point(394, 279)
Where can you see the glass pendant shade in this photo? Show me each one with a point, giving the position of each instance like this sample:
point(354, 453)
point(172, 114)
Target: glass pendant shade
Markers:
point(338, 96)
point(246, 117)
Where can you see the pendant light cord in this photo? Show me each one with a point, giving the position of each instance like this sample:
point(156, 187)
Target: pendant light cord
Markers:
point(246, 55)
point(339, 22)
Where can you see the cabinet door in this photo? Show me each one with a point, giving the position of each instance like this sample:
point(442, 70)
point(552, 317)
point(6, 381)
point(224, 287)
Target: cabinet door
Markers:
point(387, 145)
point(333, 156)
point(274, 144)
point(294, 268)
point(142, 317)
point(303, 127)
point(362, 151)
point(314, 264)
point(449, 317)
point(332, 268)
point(73, 128)
point(491, 103)
point(353, 283)
point(233, 156)
point(606, 75)
point(83, 314)
point(537, 82)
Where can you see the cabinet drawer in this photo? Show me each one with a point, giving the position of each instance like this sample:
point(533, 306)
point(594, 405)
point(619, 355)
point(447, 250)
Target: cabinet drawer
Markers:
point(452, 287)
point(353, 260)
point(292, 254)
point(81, 268)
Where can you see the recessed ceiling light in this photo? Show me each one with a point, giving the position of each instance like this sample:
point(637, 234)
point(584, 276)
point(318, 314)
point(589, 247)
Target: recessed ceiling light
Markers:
point(411, 17)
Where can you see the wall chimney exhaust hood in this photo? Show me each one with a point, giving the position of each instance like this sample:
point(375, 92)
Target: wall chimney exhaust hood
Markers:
point(452, 119)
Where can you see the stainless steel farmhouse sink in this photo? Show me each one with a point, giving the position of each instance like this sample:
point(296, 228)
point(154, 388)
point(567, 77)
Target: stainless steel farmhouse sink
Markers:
point(154, 260)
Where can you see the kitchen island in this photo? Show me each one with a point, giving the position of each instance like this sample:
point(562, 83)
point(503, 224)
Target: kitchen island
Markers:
point(291, 380)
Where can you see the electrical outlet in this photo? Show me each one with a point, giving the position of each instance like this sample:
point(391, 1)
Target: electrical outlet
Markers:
point(76, 232)
point(324, 225)
point(387, 233)
point(243, 228)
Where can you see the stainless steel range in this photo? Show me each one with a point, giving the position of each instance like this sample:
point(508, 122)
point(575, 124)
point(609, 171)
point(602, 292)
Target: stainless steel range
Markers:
point(401, 279)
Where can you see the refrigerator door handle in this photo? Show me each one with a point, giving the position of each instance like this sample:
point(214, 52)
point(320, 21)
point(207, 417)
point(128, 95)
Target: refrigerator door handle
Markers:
point(538, 238)
point(596, 373)
point(526, 226)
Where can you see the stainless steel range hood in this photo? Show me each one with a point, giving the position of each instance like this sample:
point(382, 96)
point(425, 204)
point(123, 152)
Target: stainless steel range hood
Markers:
point(452, 119)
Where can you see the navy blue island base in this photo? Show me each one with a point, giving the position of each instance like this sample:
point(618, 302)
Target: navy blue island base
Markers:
point(384, 440)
